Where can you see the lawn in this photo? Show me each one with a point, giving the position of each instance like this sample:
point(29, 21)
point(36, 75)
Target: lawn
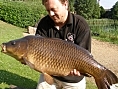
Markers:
point(13, 72)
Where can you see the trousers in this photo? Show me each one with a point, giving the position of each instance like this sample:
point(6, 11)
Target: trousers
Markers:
point(60, 85)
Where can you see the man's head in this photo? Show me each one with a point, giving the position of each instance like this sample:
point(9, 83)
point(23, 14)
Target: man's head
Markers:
point(62, 1)
point(57, 10)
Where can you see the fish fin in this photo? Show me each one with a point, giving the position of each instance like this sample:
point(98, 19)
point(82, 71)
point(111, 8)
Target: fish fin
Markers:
point(48, 78)
point(31, 65)
point(107, 80)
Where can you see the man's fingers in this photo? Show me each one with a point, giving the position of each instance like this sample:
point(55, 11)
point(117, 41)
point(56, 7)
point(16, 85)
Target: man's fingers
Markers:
point(75, 72)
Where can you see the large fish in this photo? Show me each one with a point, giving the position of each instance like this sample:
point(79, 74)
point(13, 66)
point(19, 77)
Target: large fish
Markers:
point(57, 57)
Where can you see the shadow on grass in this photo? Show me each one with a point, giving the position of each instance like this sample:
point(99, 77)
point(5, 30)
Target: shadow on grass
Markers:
point(16, 80)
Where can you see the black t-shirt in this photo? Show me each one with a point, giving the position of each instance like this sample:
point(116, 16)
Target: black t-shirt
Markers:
point(75, 30)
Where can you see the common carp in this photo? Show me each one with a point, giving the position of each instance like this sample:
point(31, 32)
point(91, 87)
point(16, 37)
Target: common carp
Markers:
point(53, 56)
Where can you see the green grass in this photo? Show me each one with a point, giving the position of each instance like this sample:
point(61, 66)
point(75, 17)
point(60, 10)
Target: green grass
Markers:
point(13, 72)
point(107, 36)
point(91, 85)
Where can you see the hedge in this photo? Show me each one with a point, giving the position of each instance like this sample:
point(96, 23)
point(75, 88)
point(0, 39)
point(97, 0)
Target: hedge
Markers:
point(20, 13)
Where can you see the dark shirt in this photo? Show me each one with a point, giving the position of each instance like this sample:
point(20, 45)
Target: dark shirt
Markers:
point(75, 30)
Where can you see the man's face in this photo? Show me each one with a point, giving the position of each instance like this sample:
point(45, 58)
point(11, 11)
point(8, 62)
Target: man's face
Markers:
point(56, 10)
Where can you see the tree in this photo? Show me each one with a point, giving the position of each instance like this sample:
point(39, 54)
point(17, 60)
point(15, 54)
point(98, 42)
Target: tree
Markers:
point(102, 12)
point(114, 11)
point(86, 8)
point(96, 11)
point(71, 5)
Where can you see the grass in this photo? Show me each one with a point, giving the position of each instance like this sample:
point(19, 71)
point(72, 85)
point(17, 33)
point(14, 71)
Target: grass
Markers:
point(108, 36)
point(106, 28)
point(11, 71)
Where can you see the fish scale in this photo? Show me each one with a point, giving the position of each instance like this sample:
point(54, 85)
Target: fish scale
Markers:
point(57, 57)
point(50, 47)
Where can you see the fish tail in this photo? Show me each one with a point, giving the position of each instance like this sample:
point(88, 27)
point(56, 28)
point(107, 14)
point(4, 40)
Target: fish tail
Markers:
point(106, 80)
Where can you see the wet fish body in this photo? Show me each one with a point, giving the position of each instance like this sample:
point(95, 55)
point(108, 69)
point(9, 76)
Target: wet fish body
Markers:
point(57, 57)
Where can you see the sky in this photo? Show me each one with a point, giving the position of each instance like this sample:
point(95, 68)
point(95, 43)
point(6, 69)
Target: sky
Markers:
point(107, 4)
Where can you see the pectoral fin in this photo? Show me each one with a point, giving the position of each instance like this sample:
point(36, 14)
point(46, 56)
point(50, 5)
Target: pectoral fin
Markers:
point(31, 65)
point(48, 78)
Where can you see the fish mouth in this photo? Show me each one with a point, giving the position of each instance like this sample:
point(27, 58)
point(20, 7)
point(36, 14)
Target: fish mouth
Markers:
point(3, 46)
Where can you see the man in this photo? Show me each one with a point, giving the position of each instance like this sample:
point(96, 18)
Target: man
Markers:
point(60, 23)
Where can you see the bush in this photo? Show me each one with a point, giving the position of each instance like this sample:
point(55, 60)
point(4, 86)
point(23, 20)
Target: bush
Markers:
point(21, 13)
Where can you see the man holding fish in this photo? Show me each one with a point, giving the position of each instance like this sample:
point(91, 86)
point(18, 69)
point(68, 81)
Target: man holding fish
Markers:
point(60, 23)
point(61, 52)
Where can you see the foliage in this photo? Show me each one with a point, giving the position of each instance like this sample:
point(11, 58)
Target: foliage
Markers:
point(21, 14)
point(96, 11)
point(71, 4)
point(87, 8)
point(111, 13)
point(102, 12)
point(106, 29)
point(114, 11)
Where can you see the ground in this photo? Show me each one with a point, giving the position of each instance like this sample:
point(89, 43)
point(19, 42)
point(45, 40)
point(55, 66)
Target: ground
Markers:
point(106, 54)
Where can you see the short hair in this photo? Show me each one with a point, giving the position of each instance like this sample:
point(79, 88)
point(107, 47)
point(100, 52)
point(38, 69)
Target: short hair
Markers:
point(62, 1)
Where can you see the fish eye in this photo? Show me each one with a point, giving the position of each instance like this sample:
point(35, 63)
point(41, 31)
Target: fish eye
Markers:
point(13, 42)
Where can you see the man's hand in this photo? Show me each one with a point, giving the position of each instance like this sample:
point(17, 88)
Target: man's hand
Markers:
point(75, 72)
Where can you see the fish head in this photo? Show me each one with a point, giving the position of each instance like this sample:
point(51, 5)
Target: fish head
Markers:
point(15, 48)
